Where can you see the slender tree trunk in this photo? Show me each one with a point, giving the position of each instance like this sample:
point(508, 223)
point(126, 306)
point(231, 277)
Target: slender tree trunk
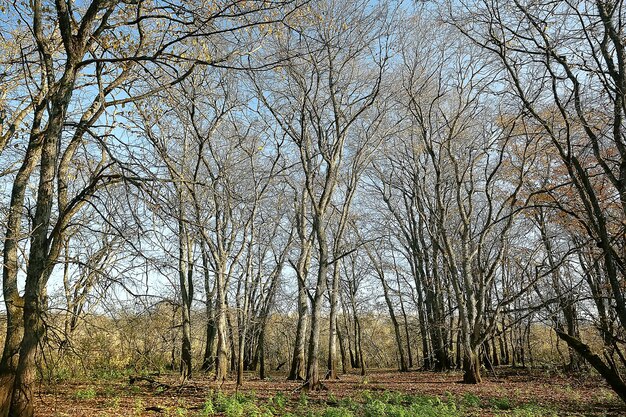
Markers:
point(402, 365)
point(231, 341)
point(423, 330)
point(186, 355)
point(342, 348)
point(208, 361)
point(221, 360)
point(361, 356)
point(407, 336)
point(240, 353)
point(332, 331)
point(261, 354)
point(459, 349)
point(185, 271)
point(297, 370)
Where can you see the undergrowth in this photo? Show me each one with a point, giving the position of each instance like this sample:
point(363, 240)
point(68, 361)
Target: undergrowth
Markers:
point(367, 404)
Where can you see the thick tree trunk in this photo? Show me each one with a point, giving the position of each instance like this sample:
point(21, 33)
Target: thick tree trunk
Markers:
point(494, 353)
point(14, 303)
point(42, 252)
point(440, 355)
point(22, 400)
point(471, 367)
point(208, 361)
point(313, 372)
point(297, 370)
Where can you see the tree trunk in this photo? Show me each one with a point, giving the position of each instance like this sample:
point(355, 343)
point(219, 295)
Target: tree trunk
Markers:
point(185, 353)
point(14, 303)
point(409, 352)
point(342, 348)
point(332, 331)
point(297, 370)
point(494, 353)
point(208, 361)
point(240, 354)
point(610, 375)
point(402, 365)
point(359, 341)
point(261, 354)
point(313, 372)
point(22, 400)
point(231, 332)
point(471, 367)
point(221, 360)
point(185, 272)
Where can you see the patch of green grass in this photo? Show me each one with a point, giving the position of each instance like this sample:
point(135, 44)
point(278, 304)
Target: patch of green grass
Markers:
point(85, 394)
point(470, 400)
point(207, 409)
point(337, 412)
point(349, 403)
point(501, 403)
point(369, 404)
point(409, 406)
point(237, 405)
point(303, 400)
point(278, 402)
point(531, 410)
point(107, 374)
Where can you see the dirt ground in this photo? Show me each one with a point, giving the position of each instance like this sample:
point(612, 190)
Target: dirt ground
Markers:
point(567, 396)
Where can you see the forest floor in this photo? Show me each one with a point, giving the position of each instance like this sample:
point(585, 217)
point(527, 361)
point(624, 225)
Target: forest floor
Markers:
point(509, 392)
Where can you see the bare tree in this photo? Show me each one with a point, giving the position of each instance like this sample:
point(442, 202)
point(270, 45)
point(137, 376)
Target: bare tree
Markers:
point(326, 90)
point(105, 50)
point(564, 66)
